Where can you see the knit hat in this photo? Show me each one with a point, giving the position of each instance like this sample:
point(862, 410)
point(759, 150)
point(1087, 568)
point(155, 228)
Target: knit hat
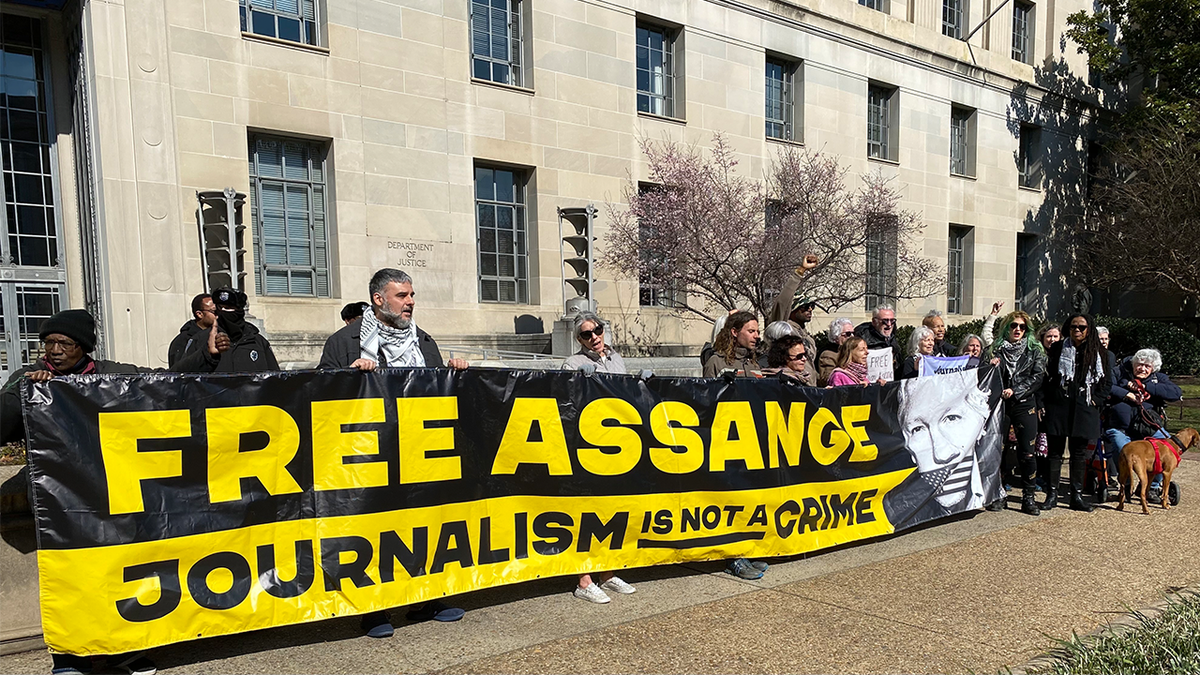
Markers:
point(76, 324)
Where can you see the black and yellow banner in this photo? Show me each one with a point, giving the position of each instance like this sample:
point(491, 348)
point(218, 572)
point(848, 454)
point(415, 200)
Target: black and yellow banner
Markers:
point(174, 507)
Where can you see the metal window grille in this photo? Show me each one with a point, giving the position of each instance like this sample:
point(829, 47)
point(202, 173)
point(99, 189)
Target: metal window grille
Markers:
point(1028, 164)
point(496, 41)
point(780, 100)
point(288, 212)
point(501, 233)
point(655, 71)
point(953, 12)
point(960, 120)
point(294, 20)
point(879, 122)
point(1022, 14)
point(874, 4)
point(955, 260)
point(881, 267)
point(34, 279)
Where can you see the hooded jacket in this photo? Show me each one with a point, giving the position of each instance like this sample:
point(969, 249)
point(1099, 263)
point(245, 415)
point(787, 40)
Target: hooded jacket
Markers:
point(189, 337)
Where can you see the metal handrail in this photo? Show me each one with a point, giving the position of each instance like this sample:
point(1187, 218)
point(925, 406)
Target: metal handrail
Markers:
point(504, 354)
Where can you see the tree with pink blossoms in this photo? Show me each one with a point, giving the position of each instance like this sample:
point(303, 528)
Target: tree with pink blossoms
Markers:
point(703, 236)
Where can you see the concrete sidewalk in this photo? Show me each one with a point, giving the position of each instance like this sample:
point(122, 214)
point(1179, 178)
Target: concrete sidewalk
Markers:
point(975, 593)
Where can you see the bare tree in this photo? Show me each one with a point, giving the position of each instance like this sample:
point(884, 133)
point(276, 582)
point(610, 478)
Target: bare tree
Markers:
point(1143, 221)
point(711, 237)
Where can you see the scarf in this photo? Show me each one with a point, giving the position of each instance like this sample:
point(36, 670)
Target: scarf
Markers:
point(857, 371)
point(399, 345)
point(1066, 370)
point(1010, 355)
point(84, 366)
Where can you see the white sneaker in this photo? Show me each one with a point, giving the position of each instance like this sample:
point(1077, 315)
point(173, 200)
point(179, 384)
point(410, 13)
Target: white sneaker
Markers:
point(617, 585)
point(592, 594)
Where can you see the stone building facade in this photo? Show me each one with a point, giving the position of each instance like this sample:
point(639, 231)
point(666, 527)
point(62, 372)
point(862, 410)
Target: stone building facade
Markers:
point(443, 135)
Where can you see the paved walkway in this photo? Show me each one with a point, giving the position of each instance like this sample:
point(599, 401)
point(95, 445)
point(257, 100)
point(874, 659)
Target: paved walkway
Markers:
point(976, 593)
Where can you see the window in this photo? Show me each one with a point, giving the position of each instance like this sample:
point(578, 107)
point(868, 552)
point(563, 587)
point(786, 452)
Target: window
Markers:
point(655, 70)
point(958, 268)
point(294, 20)
point(652, 291)
point(1025, 244)
point(496, 41)
point(880, 5)
point(882, 253)
point(962, 141)
point(781, 100)
point(953, 15)
point(287, 209)
point(500, 230)
point(33, 285)
point(1022, 45)
point(881, 122)
point(1029, 160)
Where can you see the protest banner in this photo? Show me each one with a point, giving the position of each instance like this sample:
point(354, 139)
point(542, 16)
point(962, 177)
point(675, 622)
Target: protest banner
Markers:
point(175, 507)
point(879, 365)
point(940, 365)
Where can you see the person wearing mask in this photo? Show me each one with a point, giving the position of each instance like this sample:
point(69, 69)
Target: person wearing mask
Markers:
point(788, 357)
point(880, 332)
point(193, 333)
point(388, 337)
point(840, 330)
point(735, 347)
point(68, 339)
point(1077, 385)
point(850, 369)
point(937, 323)
point(794, 306)
point(972, 346)
point(596, 357)
point(920, 344)
point(1022, 364)
point(249, 351)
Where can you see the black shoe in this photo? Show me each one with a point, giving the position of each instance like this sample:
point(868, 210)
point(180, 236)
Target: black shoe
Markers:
point(1051, 499)
point(1029, 505)
point(997, 505)
point(377, 625)
point(1078, 503)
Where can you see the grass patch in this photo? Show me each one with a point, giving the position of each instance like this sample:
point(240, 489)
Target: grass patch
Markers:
point(1187, 413)
point(12, 454)
point(1167, 643)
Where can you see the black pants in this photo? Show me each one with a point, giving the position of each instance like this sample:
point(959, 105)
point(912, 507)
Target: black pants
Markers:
point(1055, 448)
point(1022, 415)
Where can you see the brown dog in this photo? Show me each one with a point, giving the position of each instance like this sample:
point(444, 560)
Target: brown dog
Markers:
point(1137, 457)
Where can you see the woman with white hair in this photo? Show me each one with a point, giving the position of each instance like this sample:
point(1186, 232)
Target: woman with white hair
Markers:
point(840, 329)
point(1138, 385)
point(920, 344)
point(972, 346)
point(773, 331)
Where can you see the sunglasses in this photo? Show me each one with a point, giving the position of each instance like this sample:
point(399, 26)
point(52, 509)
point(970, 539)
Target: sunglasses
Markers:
point(1079, 327)
point(888, 322)
point(848, 333)
point(799, 357)
point(1019, 327)
point(587, 334)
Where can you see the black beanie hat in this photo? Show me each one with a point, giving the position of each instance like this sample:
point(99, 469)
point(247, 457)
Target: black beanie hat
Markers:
point(76, 324)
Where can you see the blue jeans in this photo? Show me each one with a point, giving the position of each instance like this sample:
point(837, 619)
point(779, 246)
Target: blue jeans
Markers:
point(1116, 439)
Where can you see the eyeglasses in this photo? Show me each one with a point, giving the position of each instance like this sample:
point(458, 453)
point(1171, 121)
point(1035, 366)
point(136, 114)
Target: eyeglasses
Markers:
point(1019, 327)
point(799, 357)
point(587, 334)
point(1081, 327)
point(65, 345)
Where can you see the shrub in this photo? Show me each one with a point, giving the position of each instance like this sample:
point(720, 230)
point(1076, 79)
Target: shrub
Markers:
point(1180, 349)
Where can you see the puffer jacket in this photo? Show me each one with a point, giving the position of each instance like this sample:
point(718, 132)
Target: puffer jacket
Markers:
point(1121, 411)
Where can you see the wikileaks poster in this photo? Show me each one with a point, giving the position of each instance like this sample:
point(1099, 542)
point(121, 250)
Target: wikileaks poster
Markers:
point(174, 507)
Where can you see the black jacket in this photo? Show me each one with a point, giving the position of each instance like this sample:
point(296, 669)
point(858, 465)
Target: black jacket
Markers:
point(944, 348)
point(343, 348)
point(1027, 378)
point(190, 336)
point(12, 425)
point(876, 340)
point(1067, 411)
point(251, 354)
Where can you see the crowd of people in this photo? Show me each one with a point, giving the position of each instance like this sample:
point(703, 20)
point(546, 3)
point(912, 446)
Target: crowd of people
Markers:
point(1063, 391)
